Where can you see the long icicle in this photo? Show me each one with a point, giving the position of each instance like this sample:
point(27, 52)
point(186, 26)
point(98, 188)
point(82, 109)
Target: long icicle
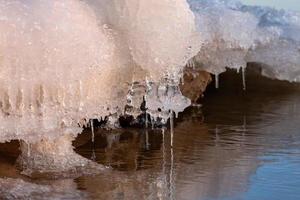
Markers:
point(244, 78)
point(92, 128)
point(172, 127)
point(217, 81)
point(146, 120)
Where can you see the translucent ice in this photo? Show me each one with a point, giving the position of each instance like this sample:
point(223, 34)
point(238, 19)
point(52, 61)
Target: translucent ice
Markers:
point(46, 47)
point(234, 34)
point(63, 62)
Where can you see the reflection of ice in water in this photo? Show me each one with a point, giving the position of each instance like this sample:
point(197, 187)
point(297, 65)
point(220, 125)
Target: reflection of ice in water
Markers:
point(19, 189)
point(112, 138)
point(172, 168)
point(35, 159)
point(168, 180)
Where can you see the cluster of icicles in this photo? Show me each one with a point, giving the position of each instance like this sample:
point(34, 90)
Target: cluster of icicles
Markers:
point(63, 62)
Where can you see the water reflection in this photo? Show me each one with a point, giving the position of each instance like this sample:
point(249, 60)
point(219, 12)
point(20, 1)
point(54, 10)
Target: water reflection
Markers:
point(53, 190)
point(245, 147)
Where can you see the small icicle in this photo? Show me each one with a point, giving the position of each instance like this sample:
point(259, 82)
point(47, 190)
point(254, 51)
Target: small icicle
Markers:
point(172, 127)
point(191, 64)
point(217, 81)
point(244, 78)
point(93, 141)
point(176, 114)
point(92, 128)
point(152, 122)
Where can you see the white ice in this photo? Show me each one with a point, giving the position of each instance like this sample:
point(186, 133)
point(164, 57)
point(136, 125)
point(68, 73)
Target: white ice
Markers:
point(234, 34)
point(63, 62)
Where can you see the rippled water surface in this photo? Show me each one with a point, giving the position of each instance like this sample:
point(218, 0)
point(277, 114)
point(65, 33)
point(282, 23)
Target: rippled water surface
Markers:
point(239, 145)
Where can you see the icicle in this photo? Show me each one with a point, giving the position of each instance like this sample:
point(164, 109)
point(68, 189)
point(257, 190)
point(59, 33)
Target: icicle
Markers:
point(191, 64)
point(146, 120)
point(92, 128)
point(93, 141)
point(217, 81)
point(244, 78)
point(176, 114)
point(152, 122)
point(172, 127)
point(145, 98)
point(182, 79)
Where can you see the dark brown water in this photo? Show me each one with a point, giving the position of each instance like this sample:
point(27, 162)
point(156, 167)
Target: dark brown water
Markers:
point(239, 145)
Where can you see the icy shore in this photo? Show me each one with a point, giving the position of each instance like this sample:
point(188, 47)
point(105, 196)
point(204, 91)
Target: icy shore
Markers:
point(63, 63)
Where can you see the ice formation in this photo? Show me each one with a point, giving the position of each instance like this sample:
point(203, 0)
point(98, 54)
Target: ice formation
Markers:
point(234, 34)
point(64, 62)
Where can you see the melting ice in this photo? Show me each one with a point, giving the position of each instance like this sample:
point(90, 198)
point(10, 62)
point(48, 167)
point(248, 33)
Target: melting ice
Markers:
point(63, 62)
point(234, 34)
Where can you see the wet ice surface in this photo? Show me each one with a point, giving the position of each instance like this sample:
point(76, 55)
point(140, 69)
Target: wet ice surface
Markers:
point(240, 145)
point(255, 34)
